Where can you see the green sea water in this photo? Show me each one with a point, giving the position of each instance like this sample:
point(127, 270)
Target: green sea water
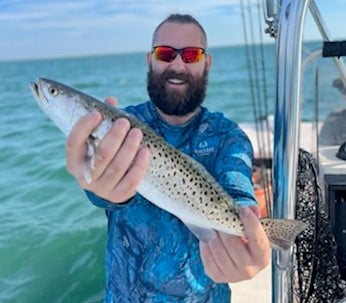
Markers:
point(52, 240)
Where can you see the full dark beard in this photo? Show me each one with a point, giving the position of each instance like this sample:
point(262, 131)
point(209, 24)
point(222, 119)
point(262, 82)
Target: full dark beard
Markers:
point(172, 102)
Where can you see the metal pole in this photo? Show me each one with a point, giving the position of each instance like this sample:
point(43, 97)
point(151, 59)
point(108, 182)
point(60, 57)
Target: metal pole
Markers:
point(326, 36)
point(271, 9)
point(286, 134)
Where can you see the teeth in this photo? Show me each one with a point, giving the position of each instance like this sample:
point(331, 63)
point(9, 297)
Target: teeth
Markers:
point(176, 81)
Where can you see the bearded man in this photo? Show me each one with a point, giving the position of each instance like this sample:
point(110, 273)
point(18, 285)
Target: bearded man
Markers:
point(151, 256)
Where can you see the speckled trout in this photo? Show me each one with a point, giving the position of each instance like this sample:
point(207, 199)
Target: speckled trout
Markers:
point(174, 181)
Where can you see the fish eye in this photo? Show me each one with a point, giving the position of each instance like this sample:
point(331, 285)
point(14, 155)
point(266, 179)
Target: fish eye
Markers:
point(53, 91)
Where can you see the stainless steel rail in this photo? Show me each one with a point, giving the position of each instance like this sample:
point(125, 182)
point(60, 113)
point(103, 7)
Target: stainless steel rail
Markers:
point(326, 37)
point(271, 11)
point(286, 134)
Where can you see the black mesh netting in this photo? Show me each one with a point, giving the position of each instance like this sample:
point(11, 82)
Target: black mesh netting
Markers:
point(316, 273)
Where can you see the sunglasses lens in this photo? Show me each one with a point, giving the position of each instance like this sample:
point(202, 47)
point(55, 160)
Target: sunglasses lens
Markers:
point(188, 54)
point(192, 54)
point(164, 53)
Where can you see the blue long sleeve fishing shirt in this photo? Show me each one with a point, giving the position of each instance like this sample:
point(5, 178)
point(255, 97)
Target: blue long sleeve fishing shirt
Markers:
point(151, 256)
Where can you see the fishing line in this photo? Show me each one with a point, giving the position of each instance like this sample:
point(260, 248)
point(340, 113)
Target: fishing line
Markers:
point(257, 101)
point(266, 138)
point(249, 66)
point(317, 100)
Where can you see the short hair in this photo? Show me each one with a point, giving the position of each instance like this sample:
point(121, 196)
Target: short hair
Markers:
point(181, 19)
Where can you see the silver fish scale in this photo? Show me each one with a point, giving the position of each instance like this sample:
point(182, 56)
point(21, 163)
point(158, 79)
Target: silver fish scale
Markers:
point(189, 185)
point(181, 177)
point(187, 182)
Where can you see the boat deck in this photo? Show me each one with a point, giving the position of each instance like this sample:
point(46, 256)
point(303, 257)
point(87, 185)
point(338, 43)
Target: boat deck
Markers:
point(308, 134)
point(256, 290)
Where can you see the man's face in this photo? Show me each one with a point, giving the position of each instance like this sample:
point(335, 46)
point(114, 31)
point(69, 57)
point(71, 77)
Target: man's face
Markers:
point(178, 88)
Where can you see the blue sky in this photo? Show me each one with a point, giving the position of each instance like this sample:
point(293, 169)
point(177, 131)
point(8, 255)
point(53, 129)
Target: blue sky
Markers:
point(55, 28)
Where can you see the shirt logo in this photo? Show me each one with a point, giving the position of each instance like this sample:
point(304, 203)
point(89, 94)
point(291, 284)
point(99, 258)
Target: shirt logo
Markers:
point(203, 144)
point(204, 149)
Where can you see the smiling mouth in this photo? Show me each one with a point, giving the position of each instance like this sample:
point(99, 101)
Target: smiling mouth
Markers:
point(176, 81)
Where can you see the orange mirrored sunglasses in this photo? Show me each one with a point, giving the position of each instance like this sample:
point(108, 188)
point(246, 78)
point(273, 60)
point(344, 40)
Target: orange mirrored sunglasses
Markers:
point(188, 54)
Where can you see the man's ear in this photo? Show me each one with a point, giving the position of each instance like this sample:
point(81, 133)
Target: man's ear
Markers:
point(208, 61)
point(149, 58)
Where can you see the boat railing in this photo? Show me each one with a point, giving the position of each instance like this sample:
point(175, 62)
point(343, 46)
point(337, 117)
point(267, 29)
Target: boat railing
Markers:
point(326, 37)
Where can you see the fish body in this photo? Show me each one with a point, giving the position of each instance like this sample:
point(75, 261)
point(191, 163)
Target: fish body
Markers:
point(174, 181)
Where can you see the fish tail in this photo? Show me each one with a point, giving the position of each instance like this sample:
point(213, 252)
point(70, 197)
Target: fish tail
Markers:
point(282, 232)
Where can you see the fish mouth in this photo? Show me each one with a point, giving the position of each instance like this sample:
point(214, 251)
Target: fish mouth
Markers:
point(35, 89)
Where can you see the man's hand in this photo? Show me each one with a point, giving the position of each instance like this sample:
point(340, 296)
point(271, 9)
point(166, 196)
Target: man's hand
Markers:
point(229, 259)
point(120, 162)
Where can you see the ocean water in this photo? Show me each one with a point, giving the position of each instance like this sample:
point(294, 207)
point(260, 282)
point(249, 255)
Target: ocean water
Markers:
point(52, 239)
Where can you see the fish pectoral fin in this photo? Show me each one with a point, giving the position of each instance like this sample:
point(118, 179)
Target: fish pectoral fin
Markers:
point(202, 234)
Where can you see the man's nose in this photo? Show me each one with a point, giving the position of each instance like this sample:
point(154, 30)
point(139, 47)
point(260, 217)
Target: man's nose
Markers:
point(178, 64)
